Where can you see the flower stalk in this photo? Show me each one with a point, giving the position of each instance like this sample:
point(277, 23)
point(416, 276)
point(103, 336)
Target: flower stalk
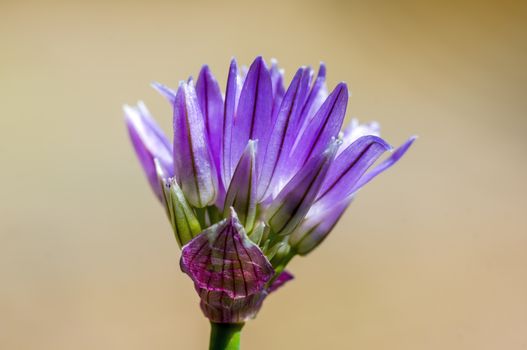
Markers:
point(225, 336)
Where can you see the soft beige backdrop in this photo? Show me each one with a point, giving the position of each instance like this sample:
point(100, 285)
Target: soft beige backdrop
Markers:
point(432, 255)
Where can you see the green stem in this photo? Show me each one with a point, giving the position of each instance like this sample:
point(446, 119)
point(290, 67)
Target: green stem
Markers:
point(225, 336)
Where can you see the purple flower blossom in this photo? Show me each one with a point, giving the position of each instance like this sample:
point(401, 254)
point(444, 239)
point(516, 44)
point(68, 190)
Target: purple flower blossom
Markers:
point(255, 177)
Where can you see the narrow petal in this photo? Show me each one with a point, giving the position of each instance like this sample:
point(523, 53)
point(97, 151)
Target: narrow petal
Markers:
point(241, 194)
point(149, 142)
point(231, 98)
point(223, 259)
point(317, 96)
point(394, 158)
point(349, 166)
point(283, 133)
point(325, 125)
point(211, 103)
point(277, 80)
point(316, 226)
point(294, 201)
point(165, 91)
point(253, 116)
point(192, 157)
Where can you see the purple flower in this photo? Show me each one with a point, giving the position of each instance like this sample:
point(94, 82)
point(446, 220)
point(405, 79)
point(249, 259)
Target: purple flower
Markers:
point(255, 177)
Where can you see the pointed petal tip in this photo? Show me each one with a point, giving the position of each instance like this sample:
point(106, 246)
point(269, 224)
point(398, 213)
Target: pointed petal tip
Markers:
point(259, 61)
point(376, 139)
point(164, 90)
point(322, 69)
point(136, 111)
point(132, 116)
point(341, 88)
point(401, 150)
point(141, 105)
point(128, 111)
point(205, 70)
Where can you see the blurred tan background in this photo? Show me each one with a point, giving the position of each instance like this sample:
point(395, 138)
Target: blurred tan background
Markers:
point(432, 255)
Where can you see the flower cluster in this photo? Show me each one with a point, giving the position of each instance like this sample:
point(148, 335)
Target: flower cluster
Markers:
point(254, 177)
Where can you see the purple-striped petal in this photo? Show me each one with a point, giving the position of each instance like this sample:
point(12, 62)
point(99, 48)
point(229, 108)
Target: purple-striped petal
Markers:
point(211, 103)
point(349, 166)
point(235, 82)
point(223, 259)
point(231, 101)
point(385, 165)
point(277, 80)
point(283, 133)
point(253, 115)
point(325, 125)
point(165, 91)
point(317, 96)
point(241, 194)
point(149, 142)
point(317, 225)
point(294, 201)
point(192, 158)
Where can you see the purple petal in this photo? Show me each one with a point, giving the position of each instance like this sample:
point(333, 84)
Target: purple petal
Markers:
point(349, 166)
point(228, 120)
point(294, 201)
point(394, 158)
point(211, 103)
point(241, 194)
point(317, 225)
point(149, 142)
point(192, 158)
point(325, 125)
point(253, 116)
point(223, 259)
point(165, 91)
point(317, 96)
point(282, 279)
point(283, 134)
point(277, 80)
